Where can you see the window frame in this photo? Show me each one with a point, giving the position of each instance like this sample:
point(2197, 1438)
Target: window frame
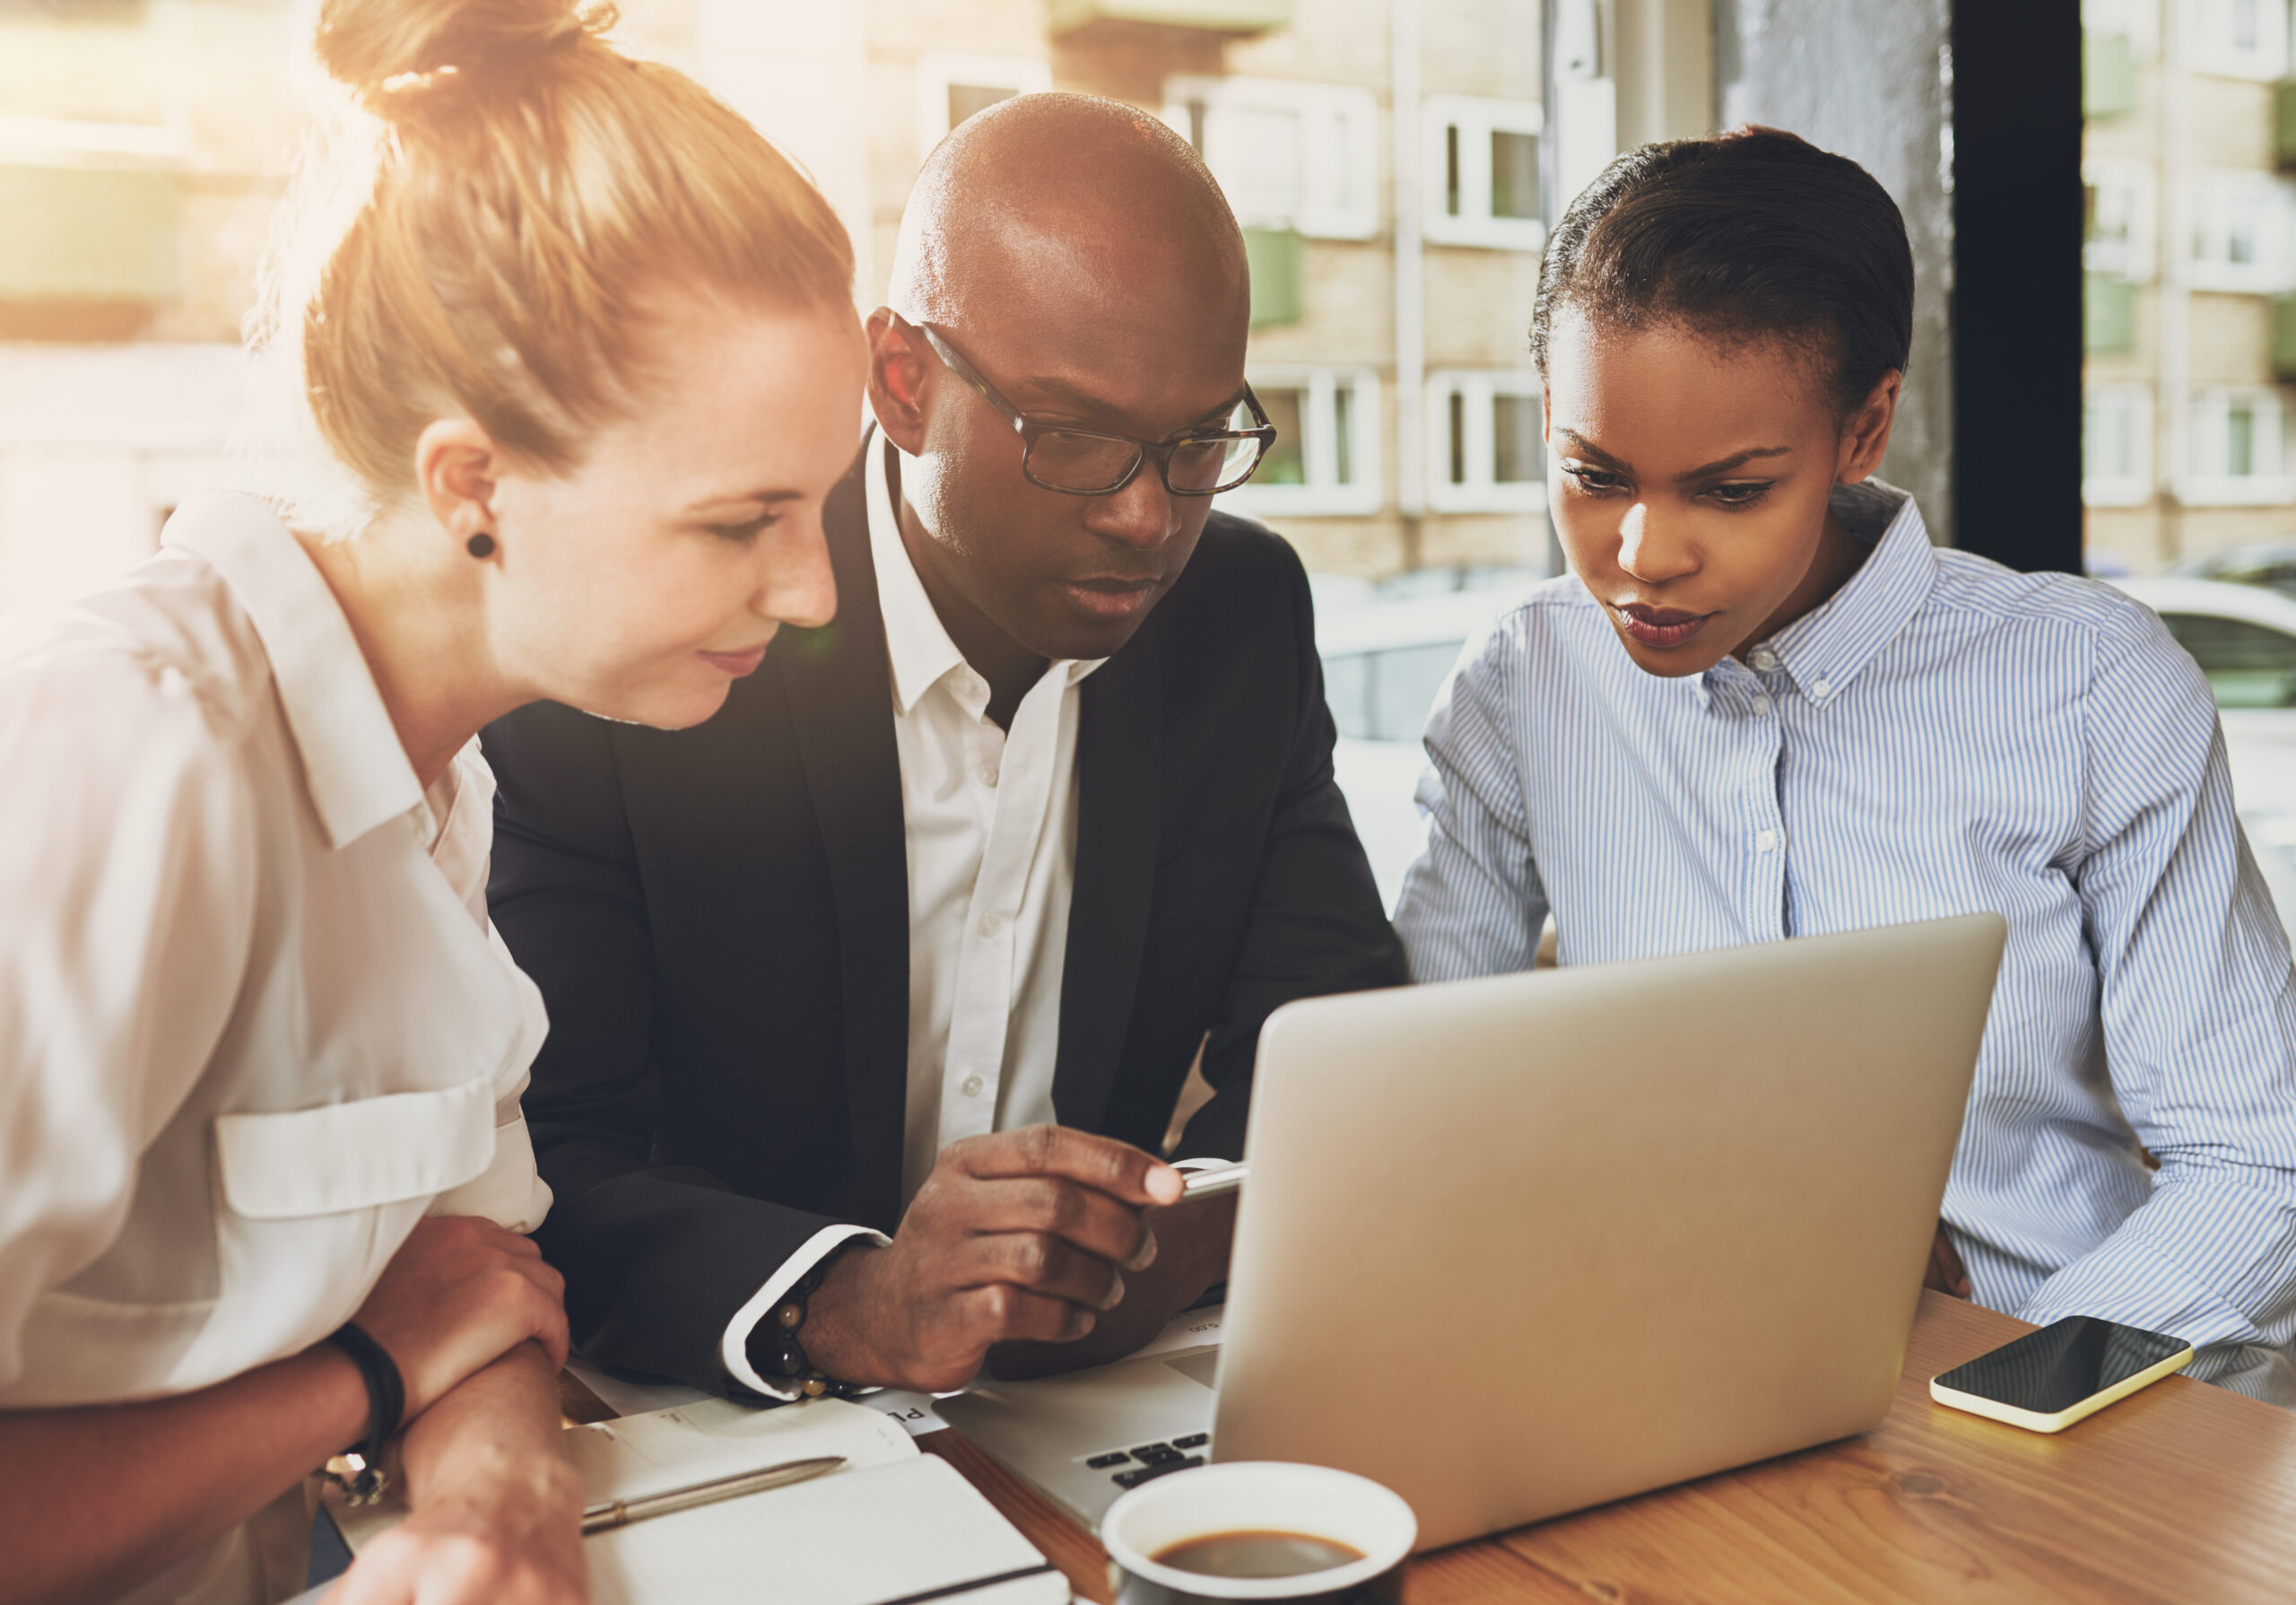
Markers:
point(2210, 47)
point(2133, 488)
point(1322, 496)
point(2215, 192)
point(2137, 189)
point(939, 71)
point(1339, 180)
point(1480, 492)
point(2205, 483)
point(1477, 118)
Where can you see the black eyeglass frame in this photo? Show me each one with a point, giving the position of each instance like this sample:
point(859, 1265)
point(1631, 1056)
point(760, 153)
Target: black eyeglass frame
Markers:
point(1031, 430)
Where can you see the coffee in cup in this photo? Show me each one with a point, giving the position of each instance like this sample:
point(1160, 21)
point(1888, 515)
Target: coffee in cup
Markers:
point(1258, 1530)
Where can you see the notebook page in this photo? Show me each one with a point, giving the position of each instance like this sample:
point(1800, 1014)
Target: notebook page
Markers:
point(696, 1442)
point(852, 1537)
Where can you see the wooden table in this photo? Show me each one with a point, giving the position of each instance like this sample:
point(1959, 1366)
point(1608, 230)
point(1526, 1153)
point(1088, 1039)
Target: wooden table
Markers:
point(2182, 1492)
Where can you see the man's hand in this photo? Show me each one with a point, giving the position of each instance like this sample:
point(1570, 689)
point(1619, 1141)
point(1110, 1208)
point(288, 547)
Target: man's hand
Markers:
point(512, 1545)
point(1191, 1241)
point(1021, 1237)
point(1945, 1273)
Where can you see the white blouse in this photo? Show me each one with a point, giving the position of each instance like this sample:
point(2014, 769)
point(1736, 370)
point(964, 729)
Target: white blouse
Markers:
point(254, 1022)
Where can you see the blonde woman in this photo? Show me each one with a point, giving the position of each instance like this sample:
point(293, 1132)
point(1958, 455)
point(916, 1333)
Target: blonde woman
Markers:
point(587, 349)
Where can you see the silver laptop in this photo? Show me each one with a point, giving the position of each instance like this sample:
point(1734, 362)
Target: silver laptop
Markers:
point(1520, 1245)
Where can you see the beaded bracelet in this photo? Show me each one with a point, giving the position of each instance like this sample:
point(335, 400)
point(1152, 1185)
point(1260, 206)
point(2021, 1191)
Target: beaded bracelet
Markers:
point(774, 1351)
point(385, 1405)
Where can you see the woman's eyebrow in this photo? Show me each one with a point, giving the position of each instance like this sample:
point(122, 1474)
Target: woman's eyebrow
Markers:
point(1587, 448)
point(1737, 459)
point(771, 498)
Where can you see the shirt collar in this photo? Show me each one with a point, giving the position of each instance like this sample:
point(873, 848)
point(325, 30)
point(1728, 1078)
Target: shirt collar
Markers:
point(354, 768)
point(1826, 648)
point(916, 642)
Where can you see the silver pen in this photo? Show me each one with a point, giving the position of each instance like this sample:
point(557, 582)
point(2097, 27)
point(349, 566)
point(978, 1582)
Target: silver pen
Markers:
point(621, 1512)
point(1211, 1184)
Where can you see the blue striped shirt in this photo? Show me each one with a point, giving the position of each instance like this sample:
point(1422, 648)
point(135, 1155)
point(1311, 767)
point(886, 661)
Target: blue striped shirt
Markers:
point(1942, 736)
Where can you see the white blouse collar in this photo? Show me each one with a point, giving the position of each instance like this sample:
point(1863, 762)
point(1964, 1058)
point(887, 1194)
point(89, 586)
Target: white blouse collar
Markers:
point(356, 773)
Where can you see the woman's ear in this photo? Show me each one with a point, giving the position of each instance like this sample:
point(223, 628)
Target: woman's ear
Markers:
point(898, 367)
point(455, 465)
point(1865, 432)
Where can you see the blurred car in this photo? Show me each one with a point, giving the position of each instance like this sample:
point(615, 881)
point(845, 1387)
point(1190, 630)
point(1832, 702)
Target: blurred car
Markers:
point(1385, 659)
point(2271, 564)
point(2243, 636)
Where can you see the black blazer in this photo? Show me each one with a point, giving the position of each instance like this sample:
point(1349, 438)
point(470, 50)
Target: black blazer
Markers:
point(718, 919)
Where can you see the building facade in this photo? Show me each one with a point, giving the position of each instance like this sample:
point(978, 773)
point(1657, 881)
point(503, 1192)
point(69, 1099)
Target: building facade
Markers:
point(2190, 267)
point(1395, 254)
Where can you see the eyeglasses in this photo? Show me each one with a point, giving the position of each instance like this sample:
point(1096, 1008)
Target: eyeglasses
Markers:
point(1084, 462)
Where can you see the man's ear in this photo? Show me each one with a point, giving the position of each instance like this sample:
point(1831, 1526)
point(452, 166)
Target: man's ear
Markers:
point(1865, 432)
point(900, 369)
point(455, 465)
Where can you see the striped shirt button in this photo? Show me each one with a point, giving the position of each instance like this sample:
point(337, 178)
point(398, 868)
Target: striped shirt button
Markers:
point(1761, 705)
point(1766, 841)
point(1821, 690)
point(1763, 659)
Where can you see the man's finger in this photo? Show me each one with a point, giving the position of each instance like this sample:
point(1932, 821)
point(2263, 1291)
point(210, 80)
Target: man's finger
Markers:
point(1001, 1312)
point(1042, 1264)
point(1116, 1168)
point(1084, 1216)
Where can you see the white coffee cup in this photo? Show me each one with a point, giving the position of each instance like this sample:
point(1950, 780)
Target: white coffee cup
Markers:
point(1258, 1496)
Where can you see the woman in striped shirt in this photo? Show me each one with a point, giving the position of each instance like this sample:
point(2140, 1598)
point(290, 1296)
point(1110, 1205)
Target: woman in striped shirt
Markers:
point(1763, 705)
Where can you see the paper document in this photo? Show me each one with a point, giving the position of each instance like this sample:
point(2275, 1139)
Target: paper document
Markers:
point(894, 1526)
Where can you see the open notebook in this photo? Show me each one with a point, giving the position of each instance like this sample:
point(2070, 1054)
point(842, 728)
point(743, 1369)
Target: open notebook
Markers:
point(894, 1528)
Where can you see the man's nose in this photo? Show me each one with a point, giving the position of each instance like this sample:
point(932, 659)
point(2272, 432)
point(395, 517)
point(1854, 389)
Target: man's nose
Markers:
point(1142, 514)
point(1653, 547)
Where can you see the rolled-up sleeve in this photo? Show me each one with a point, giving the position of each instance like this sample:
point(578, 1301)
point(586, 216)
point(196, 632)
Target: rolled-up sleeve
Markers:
point(2199, 1015)
point(1473, 904)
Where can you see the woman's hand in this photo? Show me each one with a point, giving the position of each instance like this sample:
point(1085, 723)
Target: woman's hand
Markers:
point(460, 1294)
point(515, 1544)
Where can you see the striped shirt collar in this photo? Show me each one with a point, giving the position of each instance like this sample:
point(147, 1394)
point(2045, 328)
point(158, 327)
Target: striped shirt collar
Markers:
point(1824, 650)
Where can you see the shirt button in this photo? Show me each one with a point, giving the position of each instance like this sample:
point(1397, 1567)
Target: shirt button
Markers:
point(1821, 690)
point(990, 925)
point(989, 774)
point(1762, 704)
point(1763, 658)
point(1767, 842)
point(971, 1087)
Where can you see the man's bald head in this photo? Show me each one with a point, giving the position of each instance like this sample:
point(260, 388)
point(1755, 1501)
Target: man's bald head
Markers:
point(1072, 210)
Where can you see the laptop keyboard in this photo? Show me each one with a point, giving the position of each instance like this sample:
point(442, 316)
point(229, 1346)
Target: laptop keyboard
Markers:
point(1147, 1461)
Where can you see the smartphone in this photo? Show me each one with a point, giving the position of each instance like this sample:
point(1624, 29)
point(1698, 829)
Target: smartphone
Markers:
point(2047, 1380)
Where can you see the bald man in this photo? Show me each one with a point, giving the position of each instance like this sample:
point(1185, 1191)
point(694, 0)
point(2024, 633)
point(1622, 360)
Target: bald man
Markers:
point(872, 998)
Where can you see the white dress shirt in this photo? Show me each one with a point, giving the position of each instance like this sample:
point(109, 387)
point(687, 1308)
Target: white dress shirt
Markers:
point(1942, 736)
point(990, 820)
point(253, 1021)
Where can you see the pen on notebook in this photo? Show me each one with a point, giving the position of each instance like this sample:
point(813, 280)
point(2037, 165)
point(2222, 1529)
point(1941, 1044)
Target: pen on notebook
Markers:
point(1211, 1184)
point(621, 1512)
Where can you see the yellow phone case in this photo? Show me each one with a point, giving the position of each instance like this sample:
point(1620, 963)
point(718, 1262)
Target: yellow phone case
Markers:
point(2033, 1421)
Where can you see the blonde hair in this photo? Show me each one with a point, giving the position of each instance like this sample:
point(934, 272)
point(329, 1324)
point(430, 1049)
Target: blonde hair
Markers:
point(530, 185)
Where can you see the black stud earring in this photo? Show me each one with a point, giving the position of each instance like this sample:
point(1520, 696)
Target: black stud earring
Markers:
point(480, 545)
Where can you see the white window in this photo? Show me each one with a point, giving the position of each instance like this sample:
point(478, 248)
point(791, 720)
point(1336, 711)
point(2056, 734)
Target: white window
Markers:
point(2116, 446)
point(2135, 21)
point(2119, 217)
point(1482, 182)
point(2237, 452)
point(1302, 156)
point(2237, 38)
point(1326, 460)
point(952, 88)
point(2241, 234)
point(1485, 450)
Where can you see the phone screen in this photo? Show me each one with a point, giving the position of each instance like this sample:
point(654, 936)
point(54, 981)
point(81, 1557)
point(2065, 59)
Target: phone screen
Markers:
point(2057, 1367)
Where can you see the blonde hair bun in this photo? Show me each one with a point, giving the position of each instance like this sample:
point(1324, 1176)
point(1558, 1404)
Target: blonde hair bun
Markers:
point(380, 48)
